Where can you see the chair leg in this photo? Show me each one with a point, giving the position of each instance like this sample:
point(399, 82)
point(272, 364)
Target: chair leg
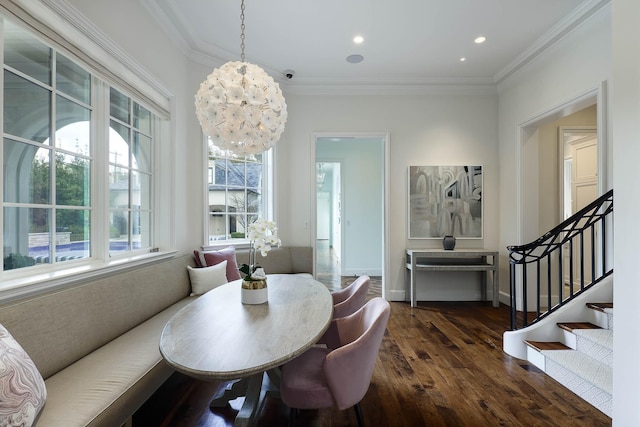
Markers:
point(292, 417)
point(356, 408)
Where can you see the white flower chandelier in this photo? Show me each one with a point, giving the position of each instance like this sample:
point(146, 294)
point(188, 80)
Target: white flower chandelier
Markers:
point(240, 107)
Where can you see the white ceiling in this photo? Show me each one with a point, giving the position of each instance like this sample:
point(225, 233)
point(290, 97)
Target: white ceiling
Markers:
point(407, 42)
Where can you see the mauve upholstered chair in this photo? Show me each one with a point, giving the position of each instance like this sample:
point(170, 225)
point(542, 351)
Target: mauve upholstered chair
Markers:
point(349, 300)
point(324, 377)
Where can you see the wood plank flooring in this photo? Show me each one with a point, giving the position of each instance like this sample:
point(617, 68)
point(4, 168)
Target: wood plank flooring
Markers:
point(441, 364)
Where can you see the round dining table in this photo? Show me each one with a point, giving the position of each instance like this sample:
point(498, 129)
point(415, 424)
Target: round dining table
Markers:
point(217, 337)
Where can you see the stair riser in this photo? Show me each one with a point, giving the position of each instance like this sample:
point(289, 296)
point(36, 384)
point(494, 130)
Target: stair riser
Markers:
point(595, 351)
point(537, 358)
point(602, 319)
point(600, 399)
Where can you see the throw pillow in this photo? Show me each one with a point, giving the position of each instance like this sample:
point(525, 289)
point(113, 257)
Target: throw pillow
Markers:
point(206, 278)
point(22, 389)
point(228, 254)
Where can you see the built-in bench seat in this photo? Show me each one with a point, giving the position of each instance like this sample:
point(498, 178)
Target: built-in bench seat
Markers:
point(96, 343)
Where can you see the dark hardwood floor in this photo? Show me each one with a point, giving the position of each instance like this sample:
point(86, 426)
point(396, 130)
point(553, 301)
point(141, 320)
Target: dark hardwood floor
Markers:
point(440, 364)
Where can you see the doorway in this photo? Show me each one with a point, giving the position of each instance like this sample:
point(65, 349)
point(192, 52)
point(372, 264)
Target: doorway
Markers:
point(350, 181)
point(542, 168)
point(547, 189)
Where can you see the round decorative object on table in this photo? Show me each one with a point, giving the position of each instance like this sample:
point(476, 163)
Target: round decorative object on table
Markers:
point(254, 292)
point(448, 243)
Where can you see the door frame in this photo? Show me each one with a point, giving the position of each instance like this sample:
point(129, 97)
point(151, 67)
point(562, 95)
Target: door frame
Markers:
point(595, 96)
point(385, 137)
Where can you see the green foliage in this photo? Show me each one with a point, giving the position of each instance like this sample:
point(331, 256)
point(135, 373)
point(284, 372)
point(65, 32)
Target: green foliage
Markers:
point(72, 189)
point(237, 235)
point(13, 261)
point(114, 233)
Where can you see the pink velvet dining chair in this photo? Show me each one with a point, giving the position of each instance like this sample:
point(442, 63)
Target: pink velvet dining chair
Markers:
point(345, 302)
point(348, 300)
point(326, 377)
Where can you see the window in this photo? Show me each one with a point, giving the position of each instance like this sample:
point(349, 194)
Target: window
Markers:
point(52, 195)
point(236, 193)
point(130, 143)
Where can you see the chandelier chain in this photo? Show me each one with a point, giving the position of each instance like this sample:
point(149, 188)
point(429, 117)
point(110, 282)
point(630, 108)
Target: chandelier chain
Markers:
point(242, 31)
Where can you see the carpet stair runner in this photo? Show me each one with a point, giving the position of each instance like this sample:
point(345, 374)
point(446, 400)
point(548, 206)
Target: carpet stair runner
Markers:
point(583, 360)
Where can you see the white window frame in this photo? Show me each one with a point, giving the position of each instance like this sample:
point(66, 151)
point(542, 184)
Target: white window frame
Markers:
point(62, 22)
point(268, 197)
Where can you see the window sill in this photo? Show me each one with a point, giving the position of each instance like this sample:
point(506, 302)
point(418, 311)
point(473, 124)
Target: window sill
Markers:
point(22, 286)
point(221, 244)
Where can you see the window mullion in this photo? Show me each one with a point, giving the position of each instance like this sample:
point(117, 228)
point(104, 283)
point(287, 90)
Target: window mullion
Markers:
point(53, 160)
point(100, 171)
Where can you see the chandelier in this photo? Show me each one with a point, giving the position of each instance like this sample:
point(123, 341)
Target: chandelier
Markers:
point(240, 107)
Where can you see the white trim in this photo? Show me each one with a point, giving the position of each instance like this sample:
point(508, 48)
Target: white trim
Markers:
point(63, 25)
point(385, 137)
point(551, 37)
point(23, 287)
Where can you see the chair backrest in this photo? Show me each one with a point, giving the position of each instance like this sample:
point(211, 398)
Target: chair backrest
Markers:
point(349, 300)
point(348, 369)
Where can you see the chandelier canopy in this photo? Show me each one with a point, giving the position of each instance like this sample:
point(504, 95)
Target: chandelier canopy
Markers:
point(240, 107)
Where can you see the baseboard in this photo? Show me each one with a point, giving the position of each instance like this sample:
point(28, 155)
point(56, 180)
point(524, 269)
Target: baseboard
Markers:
point(396, 295)
point(360, 271)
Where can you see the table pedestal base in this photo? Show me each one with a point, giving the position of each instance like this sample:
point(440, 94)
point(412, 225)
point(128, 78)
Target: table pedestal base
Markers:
point(254, 393)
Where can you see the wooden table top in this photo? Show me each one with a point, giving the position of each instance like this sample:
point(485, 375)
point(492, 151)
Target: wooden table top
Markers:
point(217, 337)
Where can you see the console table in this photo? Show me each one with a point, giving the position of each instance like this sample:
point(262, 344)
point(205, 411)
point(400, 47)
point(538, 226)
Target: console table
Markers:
point(455, 260)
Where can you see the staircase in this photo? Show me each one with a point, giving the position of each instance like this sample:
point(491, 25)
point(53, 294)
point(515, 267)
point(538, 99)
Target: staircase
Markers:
point(561, 299)
point(582, 360)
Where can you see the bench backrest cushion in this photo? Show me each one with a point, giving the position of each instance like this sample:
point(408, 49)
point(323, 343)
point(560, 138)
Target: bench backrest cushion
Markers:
point(57, 329)
point(282, 260)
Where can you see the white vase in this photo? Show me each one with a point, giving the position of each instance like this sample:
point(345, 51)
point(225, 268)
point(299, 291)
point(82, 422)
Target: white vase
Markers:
point(254, 292)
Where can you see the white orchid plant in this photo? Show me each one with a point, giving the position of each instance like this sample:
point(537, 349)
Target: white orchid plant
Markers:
point(263, 236)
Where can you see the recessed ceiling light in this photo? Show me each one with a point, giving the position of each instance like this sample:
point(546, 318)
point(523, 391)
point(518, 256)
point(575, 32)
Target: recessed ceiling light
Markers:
point(463, 59)
point(354, 59)
point(358, 39)
point(480, 39)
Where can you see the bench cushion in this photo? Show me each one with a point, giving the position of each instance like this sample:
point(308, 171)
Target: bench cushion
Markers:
point(108, 385)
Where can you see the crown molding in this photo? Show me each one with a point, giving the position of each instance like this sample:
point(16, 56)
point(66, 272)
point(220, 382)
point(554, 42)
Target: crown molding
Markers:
point(78, 31)
point(427, 86)
point(548, 39)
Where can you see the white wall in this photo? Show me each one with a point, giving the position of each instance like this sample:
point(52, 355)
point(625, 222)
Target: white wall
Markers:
point(549, 181)
point(575, 66)
point(424, 129)
point(128, 24)
point(626, 132)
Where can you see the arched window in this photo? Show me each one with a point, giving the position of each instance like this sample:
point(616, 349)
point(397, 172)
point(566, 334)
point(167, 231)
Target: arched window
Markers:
point(62, 200)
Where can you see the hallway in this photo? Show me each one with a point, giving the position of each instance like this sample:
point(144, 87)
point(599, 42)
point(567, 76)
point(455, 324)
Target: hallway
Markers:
point(328, 271)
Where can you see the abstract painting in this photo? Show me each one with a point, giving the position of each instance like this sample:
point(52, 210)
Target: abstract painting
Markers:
point(445, 201)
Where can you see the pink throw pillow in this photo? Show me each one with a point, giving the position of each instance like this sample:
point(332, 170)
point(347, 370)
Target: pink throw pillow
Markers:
point(229, 254)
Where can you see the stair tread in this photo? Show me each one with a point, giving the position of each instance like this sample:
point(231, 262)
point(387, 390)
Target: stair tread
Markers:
point(597, 373)
point(547, 345)
point(570, 326)
point(600, 306)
